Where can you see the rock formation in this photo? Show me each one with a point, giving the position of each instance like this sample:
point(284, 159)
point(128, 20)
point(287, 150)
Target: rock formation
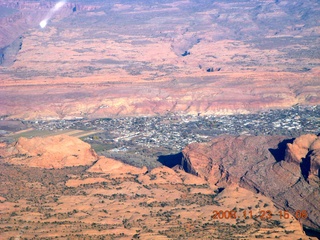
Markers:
point(122, 197)
point(227, 158)
point(50, 152)
point(109, 165)
point(305, 152)
point(292, 182)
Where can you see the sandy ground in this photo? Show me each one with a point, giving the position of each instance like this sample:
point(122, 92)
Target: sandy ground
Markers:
point(157, 205)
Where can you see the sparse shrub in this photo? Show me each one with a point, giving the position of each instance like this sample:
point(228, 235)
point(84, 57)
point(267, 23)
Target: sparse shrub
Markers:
point(126, 223)
point(276, 223)
point(13, 214)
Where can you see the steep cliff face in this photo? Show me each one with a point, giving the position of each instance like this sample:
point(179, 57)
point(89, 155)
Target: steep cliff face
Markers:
point(292, 182)
point(305, 152)
point(227, 158)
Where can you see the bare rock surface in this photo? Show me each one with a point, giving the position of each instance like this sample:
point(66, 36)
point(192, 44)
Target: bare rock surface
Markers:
point(227, 158)
point(250, 161)
point(51, 152)
point(110, 166)
point(305, 151)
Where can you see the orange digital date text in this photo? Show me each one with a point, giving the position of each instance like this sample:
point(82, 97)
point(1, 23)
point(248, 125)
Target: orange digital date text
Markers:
point(262, 214)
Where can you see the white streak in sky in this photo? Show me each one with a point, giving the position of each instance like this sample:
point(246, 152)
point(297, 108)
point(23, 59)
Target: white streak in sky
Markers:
point(56, 7)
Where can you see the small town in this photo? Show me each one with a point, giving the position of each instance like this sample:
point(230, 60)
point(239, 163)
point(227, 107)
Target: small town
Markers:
point(128, 138)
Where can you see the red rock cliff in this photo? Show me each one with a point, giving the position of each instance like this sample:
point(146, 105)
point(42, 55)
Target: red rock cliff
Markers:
point(291, 181)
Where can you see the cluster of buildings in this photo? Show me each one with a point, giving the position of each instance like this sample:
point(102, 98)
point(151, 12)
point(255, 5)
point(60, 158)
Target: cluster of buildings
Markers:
point(174, 131)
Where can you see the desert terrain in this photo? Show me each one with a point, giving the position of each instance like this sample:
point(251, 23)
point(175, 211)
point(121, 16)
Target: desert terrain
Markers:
point(159, 119)
point(97, 59)
point(107, 199)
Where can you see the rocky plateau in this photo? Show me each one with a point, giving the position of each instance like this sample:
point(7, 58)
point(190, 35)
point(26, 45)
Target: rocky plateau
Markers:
point(98, 58)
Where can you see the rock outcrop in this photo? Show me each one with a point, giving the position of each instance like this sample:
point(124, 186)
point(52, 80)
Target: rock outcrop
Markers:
point(109, 165)
point(305, 152)
point(224, 162)
point(51, 152)
point(291, 182)
point(226, 159)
